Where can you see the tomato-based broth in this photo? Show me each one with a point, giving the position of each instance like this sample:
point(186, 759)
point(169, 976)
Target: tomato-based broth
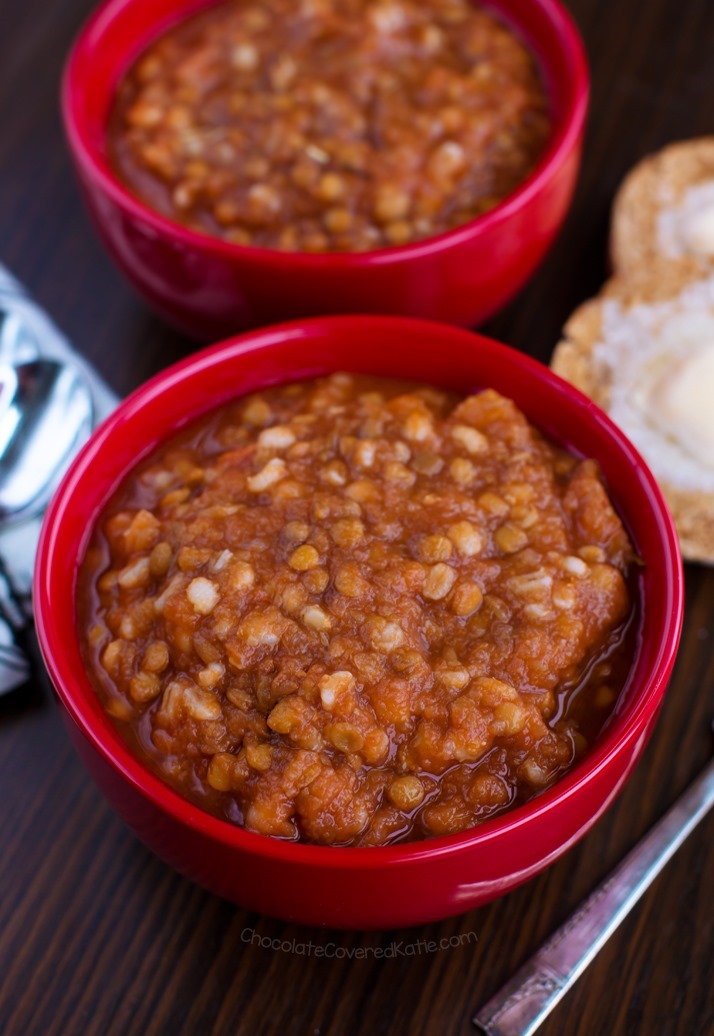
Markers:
point(354, 611)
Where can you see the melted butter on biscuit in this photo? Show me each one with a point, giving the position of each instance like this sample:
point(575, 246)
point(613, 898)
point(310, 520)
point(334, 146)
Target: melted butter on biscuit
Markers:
point(658, 362)
point(681, 401)
point(686, 227)
point(698, 231)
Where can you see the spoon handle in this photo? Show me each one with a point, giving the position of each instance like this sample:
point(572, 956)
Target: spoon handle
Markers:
point(521, 1006)
point(22, 658)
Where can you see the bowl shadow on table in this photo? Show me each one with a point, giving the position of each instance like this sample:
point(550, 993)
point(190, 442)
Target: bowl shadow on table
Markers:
point(30, 697)
point(316, 977)
point(322, 977)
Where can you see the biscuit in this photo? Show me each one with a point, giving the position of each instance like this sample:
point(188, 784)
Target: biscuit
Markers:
point(664, 210)
point(636, 302)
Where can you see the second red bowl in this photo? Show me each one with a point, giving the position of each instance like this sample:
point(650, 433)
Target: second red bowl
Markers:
point(212, 288)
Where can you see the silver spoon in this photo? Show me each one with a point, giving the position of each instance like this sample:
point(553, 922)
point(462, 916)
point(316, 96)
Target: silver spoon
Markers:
point(46, 411)
point(46, 414)
point(17, 342)
point(520, 1007)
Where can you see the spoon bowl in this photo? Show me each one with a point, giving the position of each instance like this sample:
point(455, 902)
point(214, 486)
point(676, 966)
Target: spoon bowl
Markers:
point(45, 415)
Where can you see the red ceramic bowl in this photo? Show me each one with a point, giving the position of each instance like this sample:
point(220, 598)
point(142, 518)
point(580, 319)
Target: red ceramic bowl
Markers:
point(369, 887)
point(211, 288)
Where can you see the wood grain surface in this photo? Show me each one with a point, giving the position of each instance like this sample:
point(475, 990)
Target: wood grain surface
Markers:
point(97, 936)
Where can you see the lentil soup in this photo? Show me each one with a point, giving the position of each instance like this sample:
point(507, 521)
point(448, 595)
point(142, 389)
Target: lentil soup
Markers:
point(354, 611)
point(330, 125)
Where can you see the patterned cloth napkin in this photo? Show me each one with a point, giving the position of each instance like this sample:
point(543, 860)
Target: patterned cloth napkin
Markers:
point(26, 332)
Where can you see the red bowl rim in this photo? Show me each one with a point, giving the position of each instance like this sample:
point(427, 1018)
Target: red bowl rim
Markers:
point(75, 690)
point(571, 47)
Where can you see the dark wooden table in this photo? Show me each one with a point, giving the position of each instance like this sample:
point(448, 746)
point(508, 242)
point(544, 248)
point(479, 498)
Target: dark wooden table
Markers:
point(99, 937)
